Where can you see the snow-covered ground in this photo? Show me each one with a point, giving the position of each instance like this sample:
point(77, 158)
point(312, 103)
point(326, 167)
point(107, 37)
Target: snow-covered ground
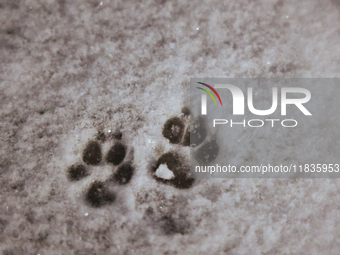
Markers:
point(71, 69)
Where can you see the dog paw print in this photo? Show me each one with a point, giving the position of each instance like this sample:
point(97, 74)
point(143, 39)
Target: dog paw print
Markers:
point(172, 168)
point(102, 193)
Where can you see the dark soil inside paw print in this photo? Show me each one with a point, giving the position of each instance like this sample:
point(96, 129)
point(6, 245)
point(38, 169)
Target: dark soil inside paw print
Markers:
point(173, 130)
point(186, 111)
point(180, 170)
point(92, 154)
point(177, 132)
point(123, 174)
point(77, 172)
point(206, 147)
point(116, 154)
point(98, 195)
point(198, 132)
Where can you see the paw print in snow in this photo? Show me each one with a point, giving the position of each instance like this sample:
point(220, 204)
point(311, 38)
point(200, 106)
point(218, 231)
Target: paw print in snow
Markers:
point(100, 193)
point(172, 168)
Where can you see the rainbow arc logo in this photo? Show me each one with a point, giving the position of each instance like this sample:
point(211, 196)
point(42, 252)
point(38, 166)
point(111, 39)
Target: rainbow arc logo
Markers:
point(209, 93)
